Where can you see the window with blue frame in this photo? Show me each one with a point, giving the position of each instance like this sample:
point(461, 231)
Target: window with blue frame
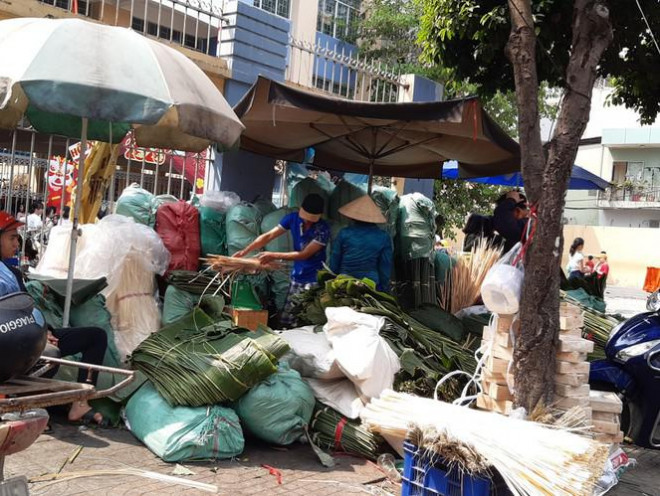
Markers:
point(281, 8)
point(339, 19)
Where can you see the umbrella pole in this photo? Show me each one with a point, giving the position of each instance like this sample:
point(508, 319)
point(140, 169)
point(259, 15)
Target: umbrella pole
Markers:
point(74, 227)
point(371, 175)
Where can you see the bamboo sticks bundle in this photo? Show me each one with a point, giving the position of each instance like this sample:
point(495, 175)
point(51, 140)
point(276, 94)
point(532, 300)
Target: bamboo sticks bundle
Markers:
point(224, 265)
point(467, 277)
point(534, 460)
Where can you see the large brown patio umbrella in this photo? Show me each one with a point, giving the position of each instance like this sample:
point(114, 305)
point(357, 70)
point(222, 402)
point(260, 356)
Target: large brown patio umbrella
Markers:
point(386, 139)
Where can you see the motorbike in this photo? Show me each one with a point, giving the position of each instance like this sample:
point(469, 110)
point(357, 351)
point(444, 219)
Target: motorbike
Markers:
point(632, 370)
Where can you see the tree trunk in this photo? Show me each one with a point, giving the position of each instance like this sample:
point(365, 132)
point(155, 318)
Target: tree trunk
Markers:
point(546, 181)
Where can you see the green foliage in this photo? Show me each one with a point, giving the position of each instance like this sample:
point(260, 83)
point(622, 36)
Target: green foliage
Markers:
point(469, 37)
point(455, 200)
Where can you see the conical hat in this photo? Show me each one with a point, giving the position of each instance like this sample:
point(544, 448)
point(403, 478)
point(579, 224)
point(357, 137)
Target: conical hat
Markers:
point(363, 209)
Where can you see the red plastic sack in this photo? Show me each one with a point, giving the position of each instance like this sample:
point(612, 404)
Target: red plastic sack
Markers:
point(177, 224)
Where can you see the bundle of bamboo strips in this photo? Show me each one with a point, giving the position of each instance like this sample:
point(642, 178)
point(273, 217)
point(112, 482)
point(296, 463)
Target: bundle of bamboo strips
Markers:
point(224, 265)
point(463, 287)
point(532, 459)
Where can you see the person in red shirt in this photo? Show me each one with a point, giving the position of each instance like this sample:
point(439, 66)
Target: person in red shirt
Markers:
point(590, 265)
point(603, 268)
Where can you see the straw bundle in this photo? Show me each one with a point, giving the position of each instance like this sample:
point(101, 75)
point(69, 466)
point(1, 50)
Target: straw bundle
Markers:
point(224, 265)
point(134, 309)
point(462, 288)
point(533, 459)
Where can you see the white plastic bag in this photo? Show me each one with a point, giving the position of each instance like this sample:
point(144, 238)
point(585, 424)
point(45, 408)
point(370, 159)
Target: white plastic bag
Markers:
point(502, 285)
point(219, 200)
point(338, 394)
point(311, 354)
point(364, 356)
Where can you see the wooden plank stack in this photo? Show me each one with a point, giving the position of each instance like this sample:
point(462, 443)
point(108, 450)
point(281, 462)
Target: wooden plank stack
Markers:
point(572, 379)
point(496, 396)
point(572, 374)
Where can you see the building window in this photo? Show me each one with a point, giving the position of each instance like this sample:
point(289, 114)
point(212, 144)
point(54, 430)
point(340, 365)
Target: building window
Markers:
point(636, 181)
point(339, 19)
point(83, 5)
point(281, 8)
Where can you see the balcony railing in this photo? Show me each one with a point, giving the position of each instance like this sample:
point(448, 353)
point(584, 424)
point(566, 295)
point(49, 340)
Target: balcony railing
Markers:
point(194, 24)
point(341, 74)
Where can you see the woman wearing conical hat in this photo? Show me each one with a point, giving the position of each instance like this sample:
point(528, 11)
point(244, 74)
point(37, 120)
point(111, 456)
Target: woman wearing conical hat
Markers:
point(363, 249)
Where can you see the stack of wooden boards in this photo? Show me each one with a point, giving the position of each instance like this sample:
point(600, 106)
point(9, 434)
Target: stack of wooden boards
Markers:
point(571, 379)
point(496, 395)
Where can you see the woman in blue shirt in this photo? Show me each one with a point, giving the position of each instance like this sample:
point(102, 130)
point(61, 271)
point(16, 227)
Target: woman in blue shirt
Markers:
point(363, 249)
point(310, 236)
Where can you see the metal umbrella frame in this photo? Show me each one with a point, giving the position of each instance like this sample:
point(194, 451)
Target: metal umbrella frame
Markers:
point(170, 103)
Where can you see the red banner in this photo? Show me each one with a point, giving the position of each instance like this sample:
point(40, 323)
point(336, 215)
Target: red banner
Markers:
point(63, 176)
point(191, 165)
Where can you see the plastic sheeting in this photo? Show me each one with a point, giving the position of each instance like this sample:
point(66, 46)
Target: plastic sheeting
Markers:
point(416, 227)
point(243, 226)
point(388, 202)
point(343, 193)
point(180, 433)
point(278, 409)
point(137, 203)
point(221, 201)
point(177, 224)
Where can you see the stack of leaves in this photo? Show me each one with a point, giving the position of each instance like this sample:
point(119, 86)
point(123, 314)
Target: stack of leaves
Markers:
point(597, 327)
point(192, 365)
point(425, 354)
point(333, 432)
point(194, 282)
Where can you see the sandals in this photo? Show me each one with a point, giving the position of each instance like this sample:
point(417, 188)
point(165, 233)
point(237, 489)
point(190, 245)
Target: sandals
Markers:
point(89, 420)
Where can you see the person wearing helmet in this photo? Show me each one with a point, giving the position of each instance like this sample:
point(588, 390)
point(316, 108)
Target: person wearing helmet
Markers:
point(363, 249)
point(310, 236)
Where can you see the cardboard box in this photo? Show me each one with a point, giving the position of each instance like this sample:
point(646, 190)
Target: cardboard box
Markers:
point(249, 319)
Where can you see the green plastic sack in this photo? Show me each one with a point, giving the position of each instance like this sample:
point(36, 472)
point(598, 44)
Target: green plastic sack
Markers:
point(443, 263)
point(416, 227)
point(249, 291)
point(179, 303)
point(94, 313)
point(137, 203)
point(243, 225)
point(388, 202)
point(264, 206)
point(305, 187)
point(163, 199)
point(181, 433)
point(343, 193)
point(278, 409)
point(282, 243)
point(213, 231)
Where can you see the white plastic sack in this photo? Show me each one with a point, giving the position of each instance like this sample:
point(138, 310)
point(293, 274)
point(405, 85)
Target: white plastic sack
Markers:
point(311, 354)
point(55, 260)
point(338, 394)
point(364, 356)
point(502, 285)
point(219, 200)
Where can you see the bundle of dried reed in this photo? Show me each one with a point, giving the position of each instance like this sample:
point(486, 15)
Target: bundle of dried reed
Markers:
point(463, 286)
point(533, 459)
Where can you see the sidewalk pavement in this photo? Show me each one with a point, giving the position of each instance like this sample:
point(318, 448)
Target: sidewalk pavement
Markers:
point(302, 473)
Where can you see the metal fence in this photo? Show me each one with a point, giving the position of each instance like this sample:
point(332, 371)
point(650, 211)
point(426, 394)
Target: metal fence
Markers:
point(342, 74)
point(194, 24)
point(40, 167)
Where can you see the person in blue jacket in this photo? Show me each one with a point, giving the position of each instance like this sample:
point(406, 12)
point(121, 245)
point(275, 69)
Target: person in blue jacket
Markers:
point(363, 249)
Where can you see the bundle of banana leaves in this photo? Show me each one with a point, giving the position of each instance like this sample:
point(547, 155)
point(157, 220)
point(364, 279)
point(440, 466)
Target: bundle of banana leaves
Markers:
point(426, 355)
point(195, 282)
point(193, 366)
point(333, 432)
point(597, 326)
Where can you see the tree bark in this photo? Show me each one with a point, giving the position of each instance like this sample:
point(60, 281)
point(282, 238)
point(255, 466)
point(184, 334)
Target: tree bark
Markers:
point(546, 180)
